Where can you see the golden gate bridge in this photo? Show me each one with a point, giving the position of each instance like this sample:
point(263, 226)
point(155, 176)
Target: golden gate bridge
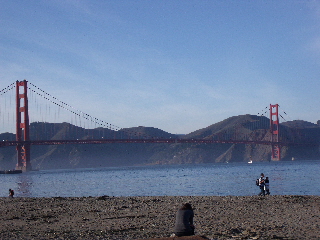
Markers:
point(23, 141)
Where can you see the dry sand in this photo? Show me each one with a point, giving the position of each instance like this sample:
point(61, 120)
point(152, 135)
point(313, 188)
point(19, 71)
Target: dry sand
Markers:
point(250, 217)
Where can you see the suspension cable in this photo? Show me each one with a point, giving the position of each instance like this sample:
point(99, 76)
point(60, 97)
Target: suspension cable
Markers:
point(3, 91)
point(80, 114)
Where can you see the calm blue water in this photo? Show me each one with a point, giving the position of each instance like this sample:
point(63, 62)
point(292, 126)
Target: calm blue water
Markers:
point(286, 178)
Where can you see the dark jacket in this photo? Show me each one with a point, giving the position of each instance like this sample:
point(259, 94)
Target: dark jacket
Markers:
point(184, 218)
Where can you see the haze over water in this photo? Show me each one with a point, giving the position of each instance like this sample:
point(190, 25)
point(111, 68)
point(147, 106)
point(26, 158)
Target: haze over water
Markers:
point(236, 179)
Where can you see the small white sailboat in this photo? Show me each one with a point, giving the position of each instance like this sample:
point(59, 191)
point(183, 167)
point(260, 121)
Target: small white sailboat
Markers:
point(250, 160)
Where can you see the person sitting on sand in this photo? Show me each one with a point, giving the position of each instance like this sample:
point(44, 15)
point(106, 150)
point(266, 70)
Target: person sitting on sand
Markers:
point(261, 185)
point(11, 193)
point(184, 221)
point(266, 186)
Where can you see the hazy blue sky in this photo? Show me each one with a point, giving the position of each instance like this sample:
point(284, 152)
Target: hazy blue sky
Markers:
point(175, 65)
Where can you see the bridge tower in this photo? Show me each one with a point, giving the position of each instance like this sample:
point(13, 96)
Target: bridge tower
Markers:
point(22, 128)
point(274, 133)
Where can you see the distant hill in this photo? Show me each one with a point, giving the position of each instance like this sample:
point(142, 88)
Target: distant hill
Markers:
point(148, 132)
point(300, 124)
point(251, 127)
point(236, 122)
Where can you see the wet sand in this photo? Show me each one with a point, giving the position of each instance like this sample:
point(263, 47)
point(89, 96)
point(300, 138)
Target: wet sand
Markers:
point(250, 217)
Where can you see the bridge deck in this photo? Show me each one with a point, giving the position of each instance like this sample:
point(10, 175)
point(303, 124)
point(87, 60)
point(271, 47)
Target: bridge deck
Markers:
point(104, 141)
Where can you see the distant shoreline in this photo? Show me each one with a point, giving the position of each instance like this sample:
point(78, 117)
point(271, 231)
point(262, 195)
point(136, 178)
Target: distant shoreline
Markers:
point(236, 217)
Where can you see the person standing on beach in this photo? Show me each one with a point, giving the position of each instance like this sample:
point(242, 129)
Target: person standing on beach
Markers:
point(184, 221)
point(266, 186)
point(11, 193)
point(261, 185)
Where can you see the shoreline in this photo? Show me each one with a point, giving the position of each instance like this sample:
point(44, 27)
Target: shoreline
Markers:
point(216, 217)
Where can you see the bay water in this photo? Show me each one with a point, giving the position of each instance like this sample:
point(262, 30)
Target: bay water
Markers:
point(217, 179)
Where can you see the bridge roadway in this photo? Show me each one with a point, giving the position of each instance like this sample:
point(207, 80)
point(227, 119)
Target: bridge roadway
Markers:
point(104, 141)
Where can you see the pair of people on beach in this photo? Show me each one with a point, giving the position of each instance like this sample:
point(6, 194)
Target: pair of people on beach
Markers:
point(263, 185)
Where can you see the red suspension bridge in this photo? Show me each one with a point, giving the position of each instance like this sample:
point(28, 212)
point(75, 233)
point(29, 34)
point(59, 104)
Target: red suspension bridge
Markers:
point(23, 141)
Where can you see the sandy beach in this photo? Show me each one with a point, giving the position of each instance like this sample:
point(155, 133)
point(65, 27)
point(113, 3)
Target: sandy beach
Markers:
point(230, 217)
